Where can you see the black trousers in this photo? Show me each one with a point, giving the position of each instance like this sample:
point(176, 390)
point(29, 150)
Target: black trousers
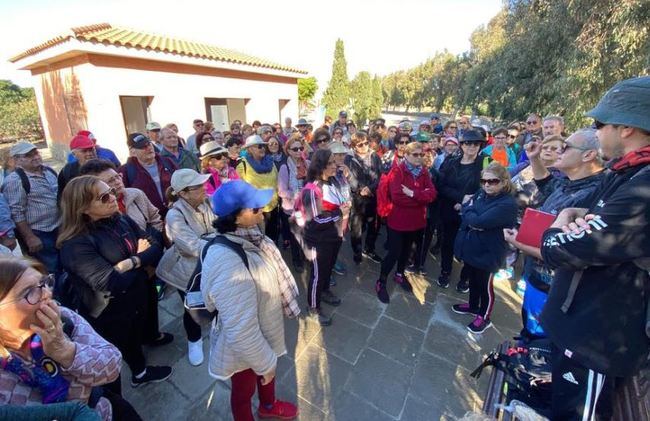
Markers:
point(152, 330)
point(272, 224)
point(425, 242)
point(363, 217)
point(400, 244)
point(481, 290)
point(323, 257)
point(297, 256)
point(192, 329)
point(449, 231)
point(579, 393)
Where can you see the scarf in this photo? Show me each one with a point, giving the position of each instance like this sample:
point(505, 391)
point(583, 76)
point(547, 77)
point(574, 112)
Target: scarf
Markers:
point(633, 159)
point(297, 174)
point(276, 157)
point(286, 282)
point(415, 170)
point(45, 375)
point(261, 167)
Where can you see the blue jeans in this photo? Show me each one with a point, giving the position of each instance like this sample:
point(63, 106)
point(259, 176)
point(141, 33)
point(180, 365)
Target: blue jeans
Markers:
point(49, 254)
point(66, 411)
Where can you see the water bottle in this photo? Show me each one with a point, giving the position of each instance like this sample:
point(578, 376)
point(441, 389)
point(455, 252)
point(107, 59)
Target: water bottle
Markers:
point(521, 287)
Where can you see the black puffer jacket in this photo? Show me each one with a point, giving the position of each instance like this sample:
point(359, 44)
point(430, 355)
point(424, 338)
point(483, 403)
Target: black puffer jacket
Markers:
point(454, 184)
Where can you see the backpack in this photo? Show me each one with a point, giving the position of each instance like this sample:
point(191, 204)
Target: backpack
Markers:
point(194, 303)
point(24, 180)
point(384, 203)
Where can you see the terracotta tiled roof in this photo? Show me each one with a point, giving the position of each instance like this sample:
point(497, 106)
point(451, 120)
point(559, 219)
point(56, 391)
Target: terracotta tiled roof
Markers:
point(107, 34)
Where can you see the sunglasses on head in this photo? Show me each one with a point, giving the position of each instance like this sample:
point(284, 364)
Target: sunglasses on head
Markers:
point(298, 148)
point(490, 181)
point(106, 196)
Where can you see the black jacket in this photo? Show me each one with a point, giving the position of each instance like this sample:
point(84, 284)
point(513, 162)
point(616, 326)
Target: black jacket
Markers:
point(453, 188)
point(68, 172)
point(480, 241)
point(362, 175)
point(596, 308)
point(89, 258)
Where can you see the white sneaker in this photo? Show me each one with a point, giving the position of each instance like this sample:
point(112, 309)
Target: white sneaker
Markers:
point(195, 352)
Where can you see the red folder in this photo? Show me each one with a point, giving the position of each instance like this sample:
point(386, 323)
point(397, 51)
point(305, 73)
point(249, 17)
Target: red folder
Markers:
point(533, 226)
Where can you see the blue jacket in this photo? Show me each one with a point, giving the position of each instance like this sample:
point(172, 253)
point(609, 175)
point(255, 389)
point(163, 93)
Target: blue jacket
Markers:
point(480, 241)
point(102, 153)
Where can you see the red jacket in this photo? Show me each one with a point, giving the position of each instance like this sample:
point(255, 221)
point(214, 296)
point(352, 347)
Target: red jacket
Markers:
point(409, 213)
point(136, 176)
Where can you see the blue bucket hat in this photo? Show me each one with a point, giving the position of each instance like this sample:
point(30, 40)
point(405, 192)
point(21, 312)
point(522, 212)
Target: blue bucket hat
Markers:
point(238, 194)
point(627, 103)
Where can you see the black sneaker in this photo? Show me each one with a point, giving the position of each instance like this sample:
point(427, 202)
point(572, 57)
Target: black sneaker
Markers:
point(372, 256)
point(329, 298)
point(382, 292)
point(479, 325)
point(422, 271)
point(153, 374)
point(462, 287)
point(443, 280)
point(403, 282)
point(316, 315)
point(163, 339)
point(463, 309)
point(411, 269)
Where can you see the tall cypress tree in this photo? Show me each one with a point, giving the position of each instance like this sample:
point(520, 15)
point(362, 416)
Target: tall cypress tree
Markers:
point(337, 94)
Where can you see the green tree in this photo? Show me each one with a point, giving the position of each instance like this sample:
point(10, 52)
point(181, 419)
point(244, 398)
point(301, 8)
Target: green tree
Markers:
point(307, 88)
point(337, 94)
point(361, 95)
point(19, 116)
point(377, 98)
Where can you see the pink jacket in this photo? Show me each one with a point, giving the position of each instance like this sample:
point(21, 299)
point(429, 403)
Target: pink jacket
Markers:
point(214, 182)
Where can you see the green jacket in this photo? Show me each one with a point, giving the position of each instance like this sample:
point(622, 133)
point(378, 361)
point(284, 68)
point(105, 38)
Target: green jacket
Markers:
point(186, 159)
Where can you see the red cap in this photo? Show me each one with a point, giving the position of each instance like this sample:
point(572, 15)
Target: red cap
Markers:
point(88, 134)
point(81, 142)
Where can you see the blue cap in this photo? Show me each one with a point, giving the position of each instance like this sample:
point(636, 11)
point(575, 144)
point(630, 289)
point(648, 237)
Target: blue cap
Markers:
point(238, 194)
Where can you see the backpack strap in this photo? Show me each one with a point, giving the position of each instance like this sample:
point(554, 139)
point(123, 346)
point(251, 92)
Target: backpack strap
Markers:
point(23, 179)
point(223, 240)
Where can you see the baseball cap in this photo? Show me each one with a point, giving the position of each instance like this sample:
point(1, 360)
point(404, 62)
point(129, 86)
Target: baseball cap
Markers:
point(627, 103)
point(21, 148)
point(187, 177)
point(81, 142)
point(343, 114)
point(264, 129)
point(152, 125)
point(137, 141)
point(434, 116)
point(88, 134)
point(238, 194)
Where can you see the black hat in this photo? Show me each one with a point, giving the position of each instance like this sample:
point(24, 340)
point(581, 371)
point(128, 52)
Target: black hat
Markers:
point(472, 136)
point(137, 141)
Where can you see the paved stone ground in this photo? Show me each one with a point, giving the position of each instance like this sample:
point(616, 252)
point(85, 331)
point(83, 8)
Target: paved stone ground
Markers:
point(409, 360)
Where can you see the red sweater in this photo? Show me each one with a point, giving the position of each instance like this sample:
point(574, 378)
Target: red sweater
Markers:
point(409, 213)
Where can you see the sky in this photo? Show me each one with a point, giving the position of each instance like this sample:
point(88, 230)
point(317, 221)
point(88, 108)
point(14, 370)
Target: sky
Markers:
point(379, 36)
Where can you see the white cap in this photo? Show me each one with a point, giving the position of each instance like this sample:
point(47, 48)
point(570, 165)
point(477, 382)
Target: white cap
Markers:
point(185, 177)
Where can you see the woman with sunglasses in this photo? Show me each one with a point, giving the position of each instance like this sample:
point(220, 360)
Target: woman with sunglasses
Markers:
point(258, 169)
point(48, 353)
point(480, 243)
point(203, 137)
point(188, 226)
point(275, 151)
point(214, 161)
point(395, 157)
point(411, 190)
point(105, 255)
point(291, 180)
point(365, 170)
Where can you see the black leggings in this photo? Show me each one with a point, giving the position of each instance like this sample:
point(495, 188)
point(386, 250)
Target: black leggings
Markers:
point(425, 242)
point(192, 329)
point(272, 224)
point(297, 256)
point(481, 290)
point(363, 217)
point(400, 244)
point(323, 257)
point(449, 231)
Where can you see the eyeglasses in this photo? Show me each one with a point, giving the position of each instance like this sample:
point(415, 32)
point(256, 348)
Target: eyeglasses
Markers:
point(34, 294)
point(531, 122)
point(512, 136)
point(260, 146)
point(362, 144)
point(403, 142)
point(106, 196)
point(500, 137)
point(453, 127)
point(490, 181)
point(472, 143)
point(297, 149)
point(551, 148)
point(417, 155)
point(322, 140)
point(113, 179)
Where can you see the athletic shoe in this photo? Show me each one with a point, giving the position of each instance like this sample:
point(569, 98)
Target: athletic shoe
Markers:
point(443, 280)
point(403, 282)
point(339, 268)
point(152, 374)
point(329, 298)
point(280, 411)
point(411, 269)
point(479, 325)
point(372, 256)
point(160, 289)
point(316, 315)
point(163, 339)
point(382, 292)
point(195, 352)
point(462, 287)
point(463, 309)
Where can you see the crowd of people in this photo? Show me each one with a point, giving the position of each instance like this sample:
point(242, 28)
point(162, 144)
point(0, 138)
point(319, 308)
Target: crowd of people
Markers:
point(102, 238)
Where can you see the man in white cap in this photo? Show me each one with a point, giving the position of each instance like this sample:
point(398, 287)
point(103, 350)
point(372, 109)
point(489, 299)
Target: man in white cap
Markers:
point(31, 191)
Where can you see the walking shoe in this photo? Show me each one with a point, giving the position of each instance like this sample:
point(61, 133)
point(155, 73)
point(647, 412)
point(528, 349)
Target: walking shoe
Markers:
point(411, 269)
point(329, 298)
point(403, 282)
point(152, 374)
point(316, 315)
point(443, 280)
point(479, 325)
point(163, 339)
point(339, 268)
point(463, 309)
point(357, 258)
point(195, 352)
point(382, 292)
point(372, 256)
point(462, 287)
point(279, 410)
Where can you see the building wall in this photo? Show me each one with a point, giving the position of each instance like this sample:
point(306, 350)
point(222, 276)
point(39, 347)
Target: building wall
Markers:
point(178, 96)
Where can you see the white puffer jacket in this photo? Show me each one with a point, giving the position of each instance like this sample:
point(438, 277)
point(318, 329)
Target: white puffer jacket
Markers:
point(249, 331)
point(189, 229)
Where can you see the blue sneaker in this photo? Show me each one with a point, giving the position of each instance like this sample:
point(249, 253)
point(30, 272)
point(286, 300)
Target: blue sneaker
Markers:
point(339, 268)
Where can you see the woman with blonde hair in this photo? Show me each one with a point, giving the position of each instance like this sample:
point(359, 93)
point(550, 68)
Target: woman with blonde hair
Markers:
point(104, 254)
point(480, 244)
point(214, 161)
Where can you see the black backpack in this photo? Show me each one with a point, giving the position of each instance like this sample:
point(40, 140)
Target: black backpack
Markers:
point(24, 180)
point(194, 303)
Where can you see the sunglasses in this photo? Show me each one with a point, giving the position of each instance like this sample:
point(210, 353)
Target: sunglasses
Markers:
point(453, 127)
point(106, 196)
point(298, 149)
point(403, 142)
point(362, 144)
point(322, 140)
point(490, 181)
point(34, 295)
point(500, 137)
point(511, 136)
point(417, 155)
point(260, 146)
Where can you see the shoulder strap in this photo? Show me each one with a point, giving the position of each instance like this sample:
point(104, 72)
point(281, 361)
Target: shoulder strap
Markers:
point(166, 164)
point(50, 169)
point(223, 240)
point(24, 180)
